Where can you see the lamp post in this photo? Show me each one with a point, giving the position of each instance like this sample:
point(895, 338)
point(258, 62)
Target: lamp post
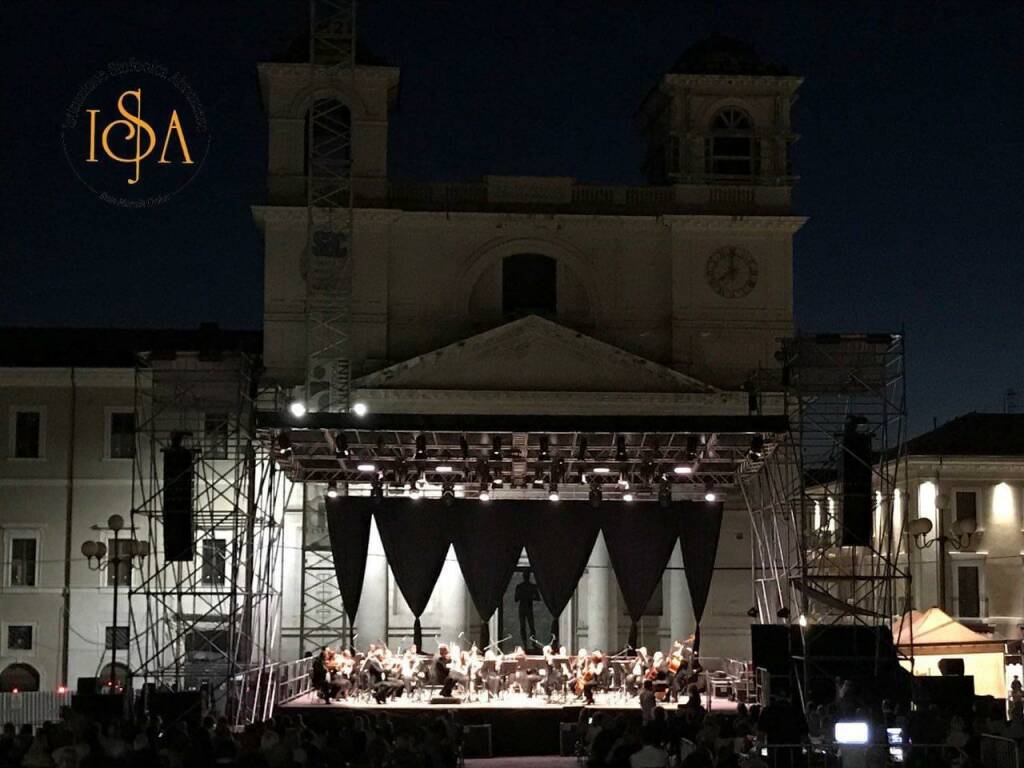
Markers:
point(963, 531)
point(97, 551)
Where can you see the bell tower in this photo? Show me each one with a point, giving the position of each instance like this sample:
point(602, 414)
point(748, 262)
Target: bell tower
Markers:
point(721, 117)
point(719, 136)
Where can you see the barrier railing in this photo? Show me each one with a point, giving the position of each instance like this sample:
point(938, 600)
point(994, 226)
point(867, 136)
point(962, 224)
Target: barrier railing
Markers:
point(258, 691)
point(32, 707)
point(999, 752)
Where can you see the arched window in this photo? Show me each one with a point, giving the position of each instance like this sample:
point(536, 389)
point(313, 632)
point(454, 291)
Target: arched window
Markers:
point(328, 132)
point(732, 146)
point(19, 677)
point(529, 285)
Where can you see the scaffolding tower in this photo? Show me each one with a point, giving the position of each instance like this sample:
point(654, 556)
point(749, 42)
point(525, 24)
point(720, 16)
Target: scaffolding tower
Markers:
point(332, 60)
point(199, 623)
point(803, 572)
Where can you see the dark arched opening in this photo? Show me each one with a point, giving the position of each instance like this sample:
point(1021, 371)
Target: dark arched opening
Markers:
point(19, 677)
point(529, 285)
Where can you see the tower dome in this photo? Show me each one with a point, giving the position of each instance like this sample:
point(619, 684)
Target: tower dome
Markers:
point(719, 55)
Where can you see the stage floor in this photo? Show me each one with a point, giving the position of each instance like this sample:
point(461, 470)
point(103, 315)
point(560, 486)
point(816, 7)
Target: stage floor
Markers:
point(511, 726)
point(511, 701)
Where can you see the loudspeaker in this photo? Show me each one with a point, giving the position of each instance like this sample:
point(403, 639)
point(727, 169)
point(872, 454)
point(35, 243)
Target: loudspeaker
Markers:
point(177, 705)
point(772, 647)
point(855, 481)
point(87, 686)
point(951, 667)
point(178, 540)
point(476, 741)
point(952, 695)
point(445, 700)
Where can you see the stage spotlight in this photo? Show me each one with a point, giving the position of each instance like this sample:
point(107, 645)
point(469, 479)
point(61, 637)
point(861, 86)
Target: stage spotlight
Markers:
point(485, 492)
point(553, 492)
point(444, 469)
point(498, 480)
point(545, 447)
point(464, 446)
point(421, 446)
point(620, 448)
point(665, 495)
point(360, 409)
point(692, 445)
point(595, 495)
point(709, 491)
point(297, 408)
point(496, 447)
point(627, 497)
point(623, 482)
point(782, 613)
point(341, 450)
point(415, 493)
point(601, 470)
point(332, 490)
point(284, 444)
point(757, 447)
point(802, 621)
point(682, 469)
point(366, 467)
point(448, 494)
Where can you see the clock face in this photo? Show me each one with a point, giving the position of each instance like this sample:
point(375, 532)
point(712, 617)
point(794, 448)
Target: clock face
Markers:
point(732, 272)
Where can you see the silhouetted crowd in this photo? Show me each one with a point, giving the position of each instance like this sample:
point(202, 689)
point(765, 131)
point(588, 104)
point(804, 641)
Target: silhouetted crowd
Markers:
point(281, 742)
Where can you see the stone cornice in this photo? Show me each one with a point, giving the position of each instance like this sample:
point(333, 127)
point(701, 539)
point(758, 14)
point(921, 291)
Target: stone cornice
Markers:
point(302, 71)
point(708, 223)
point(768, 84)
point(61, 377)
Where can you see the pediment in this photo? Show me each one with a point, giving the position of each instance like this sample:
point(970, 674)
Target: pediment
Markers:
point(535, 354)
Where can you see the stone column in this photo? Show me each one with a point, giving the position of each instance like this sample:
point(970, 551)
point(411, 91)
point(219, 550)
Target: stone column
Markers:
point(602, 624)
point(451, 595)
point(680, 607)
point(372, 619)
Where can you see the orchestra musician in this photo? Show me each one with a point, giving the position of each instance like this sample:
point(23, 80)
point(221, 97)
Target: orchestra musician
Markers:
point(638, 671)
point(593, 675)
point(679, 663)
point(525, 677)
point(318, 675)
point(555, 672)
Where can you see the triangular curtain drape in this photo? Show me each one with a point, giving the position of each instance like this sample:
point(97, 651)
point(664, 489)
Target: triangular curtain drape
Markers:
point(488, 539)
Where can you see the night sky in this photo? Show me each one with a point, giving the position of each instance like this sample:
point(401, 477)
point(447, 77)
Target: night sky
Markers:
point(911, 156)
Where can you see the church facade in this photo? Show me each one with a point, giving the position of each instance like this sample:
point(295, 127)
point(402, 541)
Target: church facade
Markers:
point(548, 295)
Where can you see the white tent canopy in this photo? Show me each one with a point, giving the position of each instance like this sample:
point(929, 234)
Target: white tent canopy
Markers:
point(932, 635)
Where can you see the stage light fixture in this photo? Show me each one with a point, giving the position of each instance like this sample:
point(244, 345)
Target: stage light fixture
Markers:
point(341, 450)
point(360, 409)
point(553, 492)
point(444, 469)
point(623, 482)
point(692, 445)
point(415, 493)
point(496, 447)
point(682, 469)
point(377, 488)
point(297, 408)
point(709, 491)
point(627, 497)
point(783, 612)
point(620, 448)
point(757, 447)
point(802, 621)
point(421, 446)
point(485, 492)
point(498, 480)
point(595, 495)
point(284, 444)
point(366, 467)
point(601, 470)
point(332, 490)
point(545, 447)
point(448, 493)
point(665, 494)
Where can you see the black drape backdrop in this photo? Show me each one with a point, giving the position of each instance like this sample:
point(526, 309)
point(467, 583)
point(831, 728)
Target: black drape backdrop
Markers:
point(416, 540)
point(488, 538)
point(640, 540)
point(559, 540)
point(700, 526)
point(349, 529)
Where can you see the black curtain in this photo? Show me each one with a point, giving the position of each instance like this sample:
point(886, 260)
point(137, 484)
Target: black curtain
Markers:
point(559, 539)
point(488, 540)
point(640, 540)
point(415, 534)
point(700, 525)
point(348, 525)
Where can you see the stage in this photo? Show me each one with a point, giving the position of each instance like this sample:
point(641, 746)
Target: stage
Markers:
point(519, 725)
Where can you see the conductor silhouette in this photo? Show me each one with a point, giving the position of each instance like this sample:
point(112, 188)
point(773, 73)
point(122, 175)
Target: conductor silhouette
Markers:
point(525, 596)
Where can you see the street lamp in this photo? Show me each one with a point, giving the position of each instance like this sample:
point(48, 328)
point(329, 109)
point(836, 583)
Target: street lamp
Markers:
point(962, 538)
point(97, 551)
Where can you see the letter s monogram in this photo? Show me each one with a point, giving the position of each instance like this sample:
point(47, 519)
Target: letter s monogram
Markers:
point(135, 126)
